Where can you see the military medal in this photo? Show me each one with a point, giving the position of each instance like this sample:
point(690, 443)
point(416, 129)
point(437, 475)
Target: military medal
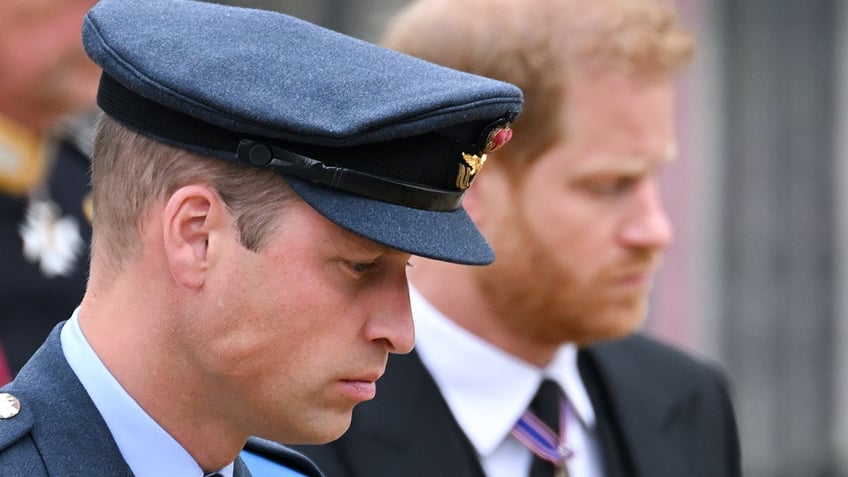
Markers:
point(50, 240)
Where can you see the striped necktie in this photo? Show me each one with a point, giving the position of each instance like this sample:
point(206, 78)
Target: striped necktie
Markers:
point(539, 429)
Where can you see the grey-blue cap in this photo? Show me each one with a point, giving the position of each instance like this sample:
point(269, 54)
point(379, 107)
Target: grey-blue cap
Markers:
point(380, 143)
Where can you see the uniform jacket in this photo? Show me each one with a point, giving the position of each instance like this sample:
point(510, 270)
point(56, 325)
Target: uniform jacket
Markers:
point(59, 432)
point(659, 412)
point(27, 316)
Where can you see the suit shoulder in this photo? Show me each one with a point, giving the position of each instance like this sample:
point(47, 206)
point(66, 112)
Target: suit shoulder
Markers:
point(662, 360)
point(16, 417)
point(280, 455)
point(18, 453)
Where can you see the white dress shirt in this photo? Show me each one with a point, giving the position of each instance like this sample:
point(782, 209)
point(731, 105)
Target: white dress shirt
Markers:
point(488, 390)
point(146, 447)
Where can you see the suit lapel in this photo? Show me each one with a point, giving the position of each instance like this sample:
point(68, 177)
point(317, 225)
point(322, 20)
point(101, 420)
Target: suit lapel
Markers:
point(639, 420)
point(408, 428)
point(64, 415)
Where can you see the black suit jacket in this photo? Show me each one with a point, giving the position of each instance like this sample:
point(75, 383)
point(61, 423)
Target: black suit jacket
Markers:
point(660, 414)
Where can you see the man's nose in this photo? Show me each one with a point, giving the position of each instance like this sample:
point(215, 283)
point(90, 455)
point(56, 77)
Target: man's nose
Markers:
point(647, 224)
point(392, 320)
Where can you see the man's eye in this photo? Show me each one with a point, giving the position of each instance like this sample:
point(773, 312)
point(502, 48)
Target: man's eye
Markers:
point(612, 187)
point(361, 267)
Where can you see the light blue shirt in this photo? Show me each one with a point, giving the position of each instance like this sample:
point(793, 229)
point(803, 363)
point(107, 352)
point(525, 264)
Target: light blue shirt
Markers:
point(146, 447)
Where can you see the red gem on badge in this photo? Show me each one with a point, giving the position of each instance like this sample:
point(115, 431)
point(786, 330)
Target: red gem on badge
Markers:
point(497, 138)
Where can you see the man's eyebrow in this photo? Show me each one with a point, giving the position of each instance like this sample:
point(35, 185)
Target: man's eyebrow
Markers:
point(633, 165)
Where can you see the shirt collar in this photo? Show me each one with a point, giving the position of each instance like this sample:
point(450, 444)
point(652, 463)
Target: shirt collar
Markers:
point(486, 388)
point(146, 447)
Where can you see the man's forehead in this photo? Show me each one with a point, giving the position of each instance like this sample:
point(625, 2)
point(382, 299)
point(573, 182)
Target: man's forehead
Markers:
point(25, 10)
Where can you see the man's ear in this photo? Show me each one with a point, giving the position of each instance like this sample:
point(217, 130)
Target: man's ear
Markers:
point(192, 216)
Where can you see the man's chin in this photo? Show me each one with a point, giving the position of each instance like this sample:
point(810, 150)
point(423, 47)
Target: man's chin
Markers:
point(329, 431)
point(331, 434)
point(616, 325)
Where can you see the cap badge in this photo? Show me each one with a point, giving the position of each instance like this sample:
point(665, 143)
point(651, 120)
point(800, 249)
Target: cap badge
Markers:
point(468, 171)
point(9, 406)
point(498, 137)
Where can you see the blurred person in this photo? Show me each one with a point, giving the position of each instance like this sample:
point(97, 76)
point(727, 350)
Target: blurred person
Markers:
point(256, 206)
point(540, 350)
point(47, 101)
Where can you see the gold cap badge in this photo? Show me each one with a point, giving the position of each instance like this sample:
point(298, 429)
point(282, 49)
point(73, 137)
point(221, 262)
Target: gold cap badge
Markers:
point(495, 140)
point(9, 406)
point(468, 171)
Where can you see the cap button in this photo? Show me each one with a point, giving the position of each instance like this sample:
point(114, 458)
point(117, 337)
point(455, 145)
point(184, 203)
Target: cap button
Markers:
point(9, 406)
point(255, 153)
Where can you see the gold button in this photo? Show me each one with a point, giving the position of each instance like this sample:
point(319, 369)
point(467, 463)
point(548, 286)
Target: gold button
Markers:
point(9, 406)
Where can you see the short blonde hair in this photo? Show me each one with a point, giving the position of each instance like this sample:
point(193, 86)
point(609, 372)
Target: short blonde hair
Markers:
point(537, 44)
point(129, 172)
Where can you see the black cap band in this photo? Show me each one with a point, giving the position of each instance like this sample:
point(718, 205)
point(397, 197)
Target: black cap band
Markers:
point(349, 180)
point(186, 132)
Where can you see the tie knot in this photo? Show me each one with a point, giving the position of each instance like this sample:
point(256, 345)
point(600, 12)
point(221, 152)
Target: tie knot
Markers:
point(547, 403)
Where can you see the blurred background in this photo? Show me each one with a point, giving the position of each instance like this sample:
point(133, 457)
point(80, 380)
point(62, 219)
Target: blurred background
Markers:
point(755, 278)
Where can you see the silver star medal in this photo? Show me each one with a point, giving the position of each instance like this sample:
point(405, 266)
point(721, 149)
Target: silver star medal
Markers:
point(51, 241)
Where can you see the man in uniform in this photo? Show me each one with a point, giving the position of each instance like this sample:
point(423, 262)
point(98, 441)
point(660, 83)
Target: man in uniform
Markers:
point(259, 186)
point(47, 101)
